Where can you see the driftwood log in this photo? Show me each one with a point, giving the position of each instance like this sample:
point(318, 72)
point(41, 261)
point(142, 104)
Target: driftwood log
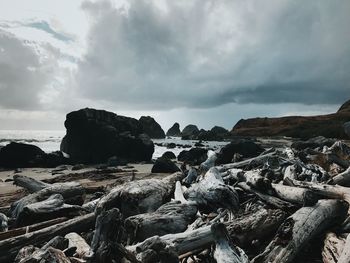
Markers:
point(342, 178)
point(212, 193)
point(29, 183)
point(83, 250)
point(295, 195)
point(300, 228)
point(141, 196)
point(10, 247)
point(332, 248)
point(3, 222)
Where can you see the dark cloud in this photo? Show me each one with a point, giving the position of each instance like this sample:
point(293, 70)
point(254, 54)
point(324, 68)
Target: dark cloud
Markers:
point(209, 53)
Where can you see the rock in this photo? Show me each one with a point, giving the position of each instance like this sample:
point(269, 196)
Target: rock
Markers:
point(347, 128)
point(199, 144)
point(190, 132)
point(95, 135)
point(194, 156)
point(151, 127)
point(16, 155)
point(169, 155)
point(219, 130)
point(174, 130)
point(164, 165)
point(170, 145)
point(54, 159)
point(246, 148)
point(78, 166)
point(313, 143)
point(330, 125)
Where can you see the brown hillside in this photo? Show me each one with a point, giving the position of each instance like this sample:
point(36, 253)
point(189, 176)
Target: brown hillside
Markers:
point(330, 125)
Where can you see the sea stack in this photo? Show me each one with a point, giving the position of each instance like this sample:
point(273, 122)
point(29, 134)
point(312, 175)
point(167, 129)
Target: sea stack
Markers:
point(174, 130)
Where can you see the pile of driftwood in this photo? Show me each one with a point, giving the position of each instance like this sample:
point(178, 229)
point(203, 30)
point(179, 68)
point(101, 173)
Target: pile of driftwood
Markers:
point(281, 206)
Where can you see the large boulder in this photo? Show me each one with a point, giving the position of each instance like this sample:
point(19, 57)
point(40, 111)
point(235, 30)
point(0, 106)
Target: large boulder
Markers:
point(347, 128)
point(306, 127)
point(174, 130)
point(190, 132)
point(95, 135)
point(215, 134)
point(246, 148)
point(164, 165)
point(169, 155)
point(15, 155)
point(151, 127)
point(194, 156)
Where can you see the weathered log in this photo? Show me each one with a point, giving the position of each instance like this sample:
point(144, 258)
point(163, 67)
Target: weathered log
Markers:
point(172, 217)
point(178, 193)
point(10, 247)
point(225, 251)
point(271, 200)
point(212, 193)
point(29, 183)
point(27, 255)
point(107, 232)
point(83, 250)
point(332, 248)
point(58, 242)
point(140, 196)
point(255, 179)
point(27, 229)
point(69, 191)
point(24, 253)
point(208, 163)
point(342, 178)
point(50, 208)
point(91, 206)
point(300, 228)
point(3, 222)
point(259, 159)
point(295, 195)
point(345, 254)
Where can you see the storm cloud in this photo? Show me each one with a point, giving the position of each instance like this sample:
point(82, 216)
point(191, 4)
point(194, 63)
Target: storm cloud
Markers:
point(199, 54)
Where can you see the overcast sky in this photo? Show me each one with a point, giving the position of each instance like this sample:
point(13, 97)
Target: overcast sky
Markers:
point(206, 62)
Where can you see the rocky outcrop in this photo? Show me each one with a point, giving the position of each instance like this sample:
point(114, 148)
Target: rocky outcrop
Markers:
point(194, 156)
point(95, 135)
point(245, 148)
point(164, 165)
point(174, 130)
point(169, 155)
point(215, 134)
point(330, 125)
point(190, 132)
point(21, 155)
point(151, 127)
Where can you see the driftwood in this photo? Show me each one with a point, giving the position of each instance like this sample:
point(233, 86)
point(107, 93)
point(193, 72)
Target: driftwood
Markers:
point(27, 229)
point(50, 208)
point(173, 217)
point(31, 184)
point(259, 159)
point(342, 178)
point(10, 247)
point(58, 242)
point(300, 228)
point(141, 196)
point(32, 255)
point(3, 222)
point(212, 193)
point(345, 254)
point(295, 195)
point(332, 248)
point(225, 251)
point(83, 250)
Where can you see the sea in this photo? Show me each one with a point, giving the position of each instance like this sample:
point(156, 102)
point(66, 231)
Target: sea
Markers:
point(49, 141)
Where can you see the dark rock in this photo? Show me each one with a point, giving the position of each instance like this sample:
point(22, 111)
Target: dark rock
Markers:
point(174, 130)
point(54, 159)
point(347, 128)
point(246, 148)
point(190, 132)
point(95, 135)
point(194, 156)
point(199, 144)
point(169, 155)
point(171, 145)
point(313, 143)
point(151, 127)
point(330, 125)
point(78, 166)
point(163, 165)
point(219, 130)
point(16, 155)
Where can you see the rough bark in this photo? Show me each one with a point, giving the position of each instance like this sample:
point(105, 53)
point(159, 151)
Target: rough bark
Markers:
point(10, 247)
point(332, 248)
point(259, 159)
point(31, 184)
point(342, 178)
point(83, 250)
point(173, 217)
point(3, 222)
point(298, 229)
point(212, 193)
point(345, 254)
point(141, 196)
point(295, 195)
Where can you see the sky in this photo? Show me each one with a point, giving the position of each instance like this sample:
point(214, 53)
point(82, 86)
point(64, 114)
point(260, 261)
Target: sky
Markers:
point(206, 62)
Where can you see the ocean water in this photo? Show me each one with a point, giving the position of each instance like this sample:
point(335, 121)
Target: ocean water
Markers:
point(49, 141)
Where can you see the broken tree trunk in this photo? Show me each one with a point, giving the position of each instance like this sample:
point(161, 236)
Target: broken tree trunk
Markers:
point(225, 251)
point(50, 208)
point(140, 196)
point(31, 184)
point(258, 159)
point(83, 250)
point(10, 247)
point(295, 195)
point(70, 191)
point(212, 193)
point(3, 222)
point(345, 254)
point(172, 217)
point(298, 229)
point(30, 254)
